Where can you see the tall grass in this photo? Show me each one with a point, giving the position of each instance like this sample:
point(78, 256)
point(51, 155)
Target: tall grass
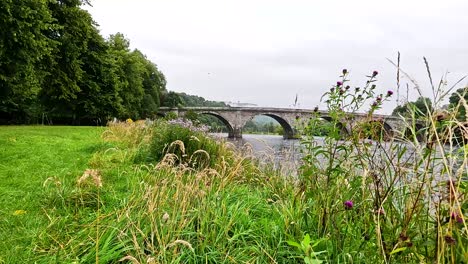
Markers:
point(168, 193)
point(393, 199)
point(174, 209)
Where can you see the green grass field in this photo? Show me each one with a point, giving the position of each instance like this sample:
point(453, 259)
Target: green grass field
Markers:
point(29, 155)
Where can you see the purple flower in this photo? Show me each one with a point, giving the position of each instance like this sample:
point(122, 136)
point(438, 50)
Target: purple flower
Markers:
point(455, 216)
point(347, 87)
point(348, 204)
point(449, 240)
point(378, 99)
point(342, 91)
point(345, 71)
point(339, 84)
point(375, 73)
point(389, 93)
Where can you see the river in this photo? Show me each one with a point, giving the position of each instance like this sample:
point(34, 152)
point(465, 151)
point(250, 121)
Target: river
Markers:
point(282, 154)
point(285, 154)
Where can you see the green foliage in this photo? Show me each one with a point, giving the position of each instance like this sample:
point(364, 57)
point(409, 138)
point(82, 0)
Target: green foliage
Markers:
point(171, 116)
point(264, 128)
point(55, 65)
point(307, 248)
point(458, 101)
point(153, 214)
point(193, 100)
point(192, 116)
point(171, 99)
point(189, 146)
point(174, 99)
point(380, 200)
point(24, 50)
point(68, 196)
point(421, 107)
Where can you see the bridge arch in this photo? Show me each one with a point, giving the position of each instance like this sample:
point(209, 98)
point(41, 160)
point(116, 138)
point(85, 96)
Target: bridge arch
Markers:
point(379, 129)
point(417, 132)
point(340, 125)
point(288, 130)
point(229, 126)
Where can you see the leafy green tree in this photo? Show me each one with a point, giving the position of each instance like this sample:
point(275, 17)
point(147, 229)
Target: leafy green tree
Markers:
point(72, 58)
point(130, 68)
point(53, 61)
point(454, 102)
point(99, 97)
point(172, 99)
point(154, 84)
point(193, 100)
point(421, 107)
point(250, 127)
point(24, 45)
point(192, 116)
point(141, 81)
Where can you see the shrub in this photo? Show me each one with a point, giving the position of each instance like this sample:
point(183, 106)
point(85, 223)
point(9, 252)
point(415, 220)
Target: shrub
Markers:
point(185, 143)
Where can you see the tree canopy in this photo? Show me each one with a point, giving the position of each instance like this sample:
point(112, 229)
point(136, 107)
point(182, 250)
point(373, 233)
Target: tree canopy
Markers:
point(421, 107)
point(454, 102)
point(55, 65)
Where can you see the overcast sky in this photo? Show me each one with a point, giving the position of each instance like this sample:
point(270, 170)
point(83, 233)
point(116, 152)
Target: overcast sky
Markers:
point(266, 52)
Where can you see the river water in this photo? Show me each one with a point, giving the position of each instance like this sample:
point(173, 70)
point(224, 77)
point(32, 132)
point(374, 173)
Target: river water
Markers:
point(274, 150)
point(285, 154)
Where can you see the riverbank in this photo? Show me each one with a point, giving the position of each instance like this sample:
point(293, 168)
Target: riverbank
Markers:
point(169, 194)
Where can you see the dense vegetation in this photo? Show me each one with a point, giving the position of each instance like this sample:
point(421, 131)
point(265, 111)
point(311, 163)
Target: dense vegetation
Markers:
point(55, 67)
point(168, 193)
point(421, 107)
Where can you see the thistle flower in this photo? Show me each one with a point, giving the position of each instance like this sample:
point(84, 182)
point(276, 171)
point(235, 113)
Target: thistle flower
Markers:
point(348, 204)
point(389, 93)
point(449, 240)
point(345, 71)
point(375, 73)
point(339, 84)
point(455, 216)
point(347, 87)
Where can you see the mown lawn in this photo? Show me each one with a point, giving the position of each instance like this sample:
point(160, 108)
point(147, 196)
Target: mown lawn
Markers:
point(29, 155)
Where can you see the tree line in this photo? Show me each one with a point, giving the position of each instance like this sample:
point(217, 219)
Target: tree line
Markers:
point(423, 106)
point(55, 66)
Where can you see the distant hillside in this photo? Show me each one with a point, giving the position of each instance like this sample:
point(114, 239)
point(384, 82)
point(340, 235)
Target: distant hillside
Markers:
point(174, 99)
point(194, 100)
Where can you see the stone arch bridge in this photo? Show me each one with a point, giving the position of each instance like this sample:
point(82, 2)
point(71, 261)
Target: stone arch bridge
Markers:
point(235, 118)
